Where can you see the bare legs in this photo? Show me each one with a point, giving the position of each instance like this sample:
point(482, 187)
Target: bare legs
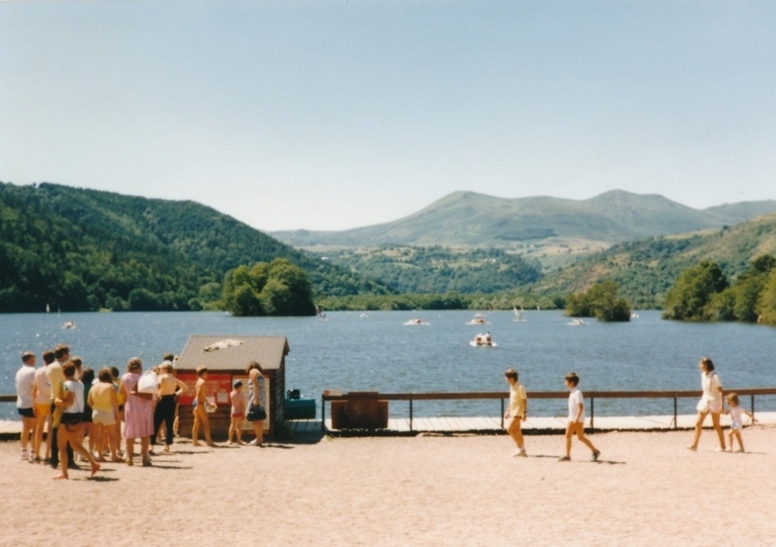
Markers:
point(579, 429)
point(699, 429)
point(200, 419)
point(75, 438)
point(515, 431)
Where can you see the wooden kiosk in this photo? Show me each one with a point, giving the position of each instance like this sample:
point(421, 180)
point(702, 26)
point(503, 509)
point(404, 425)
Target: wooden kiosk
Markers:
point(226, 358)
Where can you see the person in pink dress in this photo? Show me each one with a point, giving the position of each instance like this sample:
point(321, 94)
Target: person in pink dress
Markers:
point(138, 412)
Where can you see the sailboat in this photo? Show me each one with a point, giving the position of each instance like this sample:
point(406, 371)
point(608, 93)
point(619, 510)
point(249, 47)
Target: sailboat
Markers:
point(320, 313)
point(518, 316)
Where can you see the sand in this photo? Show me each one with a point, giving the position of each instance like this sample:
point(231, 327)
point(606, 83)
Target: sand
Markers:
point(426, 490)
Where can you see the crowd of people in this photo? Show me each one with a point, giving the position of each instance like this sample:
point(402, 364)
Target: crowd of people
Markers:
point(70, 402)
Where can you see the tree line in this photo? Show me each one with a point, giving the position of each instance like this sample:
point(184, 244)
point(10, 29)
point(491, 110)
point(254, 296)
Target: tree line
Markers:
point(704, 293)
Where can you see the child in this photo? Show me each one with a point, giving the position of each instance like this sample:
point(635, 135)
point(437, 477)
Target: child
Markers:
point(736, 420)
point(238, 412)
point(200, 412)
point(576, 423)
point(516, 411)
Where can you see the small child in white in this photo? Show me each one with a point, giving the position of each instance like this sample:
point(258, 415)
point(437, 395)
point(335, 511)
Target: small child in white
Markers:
point(736, 420)
point(576, 423)
point(237, 413)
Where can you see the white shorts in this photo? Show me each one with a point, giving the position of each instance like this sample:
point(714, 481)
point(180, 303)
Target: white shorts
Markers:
point(104, 417)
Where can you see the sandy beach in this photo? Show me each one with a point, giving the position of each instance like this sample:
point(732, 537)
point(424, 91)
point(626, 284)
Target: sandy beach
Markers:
point(426, 490)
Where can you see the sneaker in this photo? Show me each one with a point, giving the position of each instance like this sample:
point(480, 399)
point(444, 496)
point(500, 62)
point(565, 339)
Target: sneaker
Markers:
point(739, 451)
point(564, 459)
point(255, 442)
point(595, 455)
point(718, 449)
point(691, 448)
point(521, 453)
point(32, 458)
point(24, 453)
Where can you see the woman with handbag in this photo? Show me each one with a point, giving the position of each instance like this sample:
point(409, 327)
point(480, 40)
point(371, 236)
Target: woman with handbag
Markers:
point(256, 396)
point(138, 412)
point(71, 428)
point(711, 403)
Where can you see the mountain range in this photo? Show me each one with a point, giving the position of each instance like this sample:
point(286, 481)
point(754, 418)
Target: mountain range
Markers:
point(469, 219)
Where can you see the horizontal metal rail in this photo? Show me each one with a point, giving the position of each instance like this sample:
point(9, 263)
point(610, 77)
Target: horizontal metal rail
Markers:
point(502, 396)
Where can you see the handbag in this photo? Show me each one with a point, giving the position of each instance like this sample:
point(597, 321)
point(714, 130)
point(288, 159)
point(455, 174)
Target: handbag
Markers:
point(148, 383)
point(256, 413)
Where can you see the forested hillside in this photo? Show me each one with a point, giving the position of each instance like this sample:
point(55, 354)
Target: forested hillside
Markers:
point(645, 270)
point(76, 249)
point(439, 270)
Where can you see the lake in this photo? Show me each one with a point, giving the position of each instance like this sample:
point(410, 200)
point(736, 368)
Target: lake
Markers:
point(378, 352)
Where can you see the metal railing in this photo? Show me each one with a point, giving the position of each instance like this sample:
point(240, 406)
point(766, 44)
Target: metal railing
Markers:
point(502, 396)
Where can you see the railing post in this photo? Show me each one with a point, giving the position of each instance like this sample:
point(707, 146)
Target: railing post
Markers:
point(410, 415)
point(323, 414)
point(752, 408)
point(592, 414)
point(676, 424)
point(502, 413)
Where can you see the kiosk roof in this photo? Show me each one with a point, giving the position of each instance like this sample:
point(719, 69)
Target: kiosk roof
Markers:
point(232, 352)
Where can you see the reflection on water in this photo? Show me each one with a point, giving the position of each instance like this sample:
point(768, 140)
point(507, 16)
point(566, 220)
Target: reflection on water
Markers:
point(379, 352)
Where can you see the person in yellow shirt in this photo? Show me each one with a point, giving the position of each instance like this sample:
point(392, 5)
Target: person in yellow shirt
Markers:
point(516, 411)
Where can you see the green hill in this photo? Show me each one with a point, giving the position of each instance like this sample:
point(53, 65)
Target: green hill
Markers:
point(77, 249)
point(646, 269)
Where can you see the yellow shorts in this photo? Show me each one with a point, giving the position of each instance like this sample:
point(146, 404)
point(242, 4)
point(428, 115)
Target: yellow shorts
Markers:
point(42, 409)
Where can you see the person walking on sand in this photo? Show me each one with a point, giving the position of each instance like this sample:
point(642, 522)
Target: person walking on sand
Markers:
point(711, 403)
point(737, 413)
point(516, 411)
point(200, 410)
point(576, 420)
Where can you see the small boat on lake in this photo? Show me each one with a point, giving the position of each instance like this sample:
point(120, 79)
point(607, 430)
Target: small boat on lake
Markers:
point(478, 319)
point(576, 322)
point(417, 321)
point(69, 325)
point(483, 340)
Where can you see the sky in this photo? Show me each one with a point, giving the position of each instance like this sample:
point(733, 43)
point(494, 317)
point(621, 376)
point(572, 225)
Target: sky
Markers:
point(329, 115)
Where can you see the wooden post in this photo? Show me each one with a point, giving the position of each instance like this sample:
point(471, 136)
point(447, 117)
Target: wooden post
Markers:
point(592, 414)
point(410, 415)
point(323, 414)
point(502, 413)
point(676, 424)
point(752, 396)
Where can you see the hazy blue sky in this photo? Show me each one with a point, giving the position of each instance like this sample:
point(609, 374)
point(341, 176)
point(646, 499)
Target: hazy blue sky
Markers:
point(336, 114)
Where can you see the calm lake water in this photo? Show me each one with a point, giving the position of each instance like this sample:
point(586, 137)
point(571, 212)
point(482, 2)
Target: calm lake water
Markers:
point(378, 352)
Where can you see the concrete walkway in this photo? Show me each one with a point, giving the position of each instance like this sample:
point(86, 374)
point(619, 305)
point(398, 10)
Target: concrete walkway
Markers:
point(537, 425)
